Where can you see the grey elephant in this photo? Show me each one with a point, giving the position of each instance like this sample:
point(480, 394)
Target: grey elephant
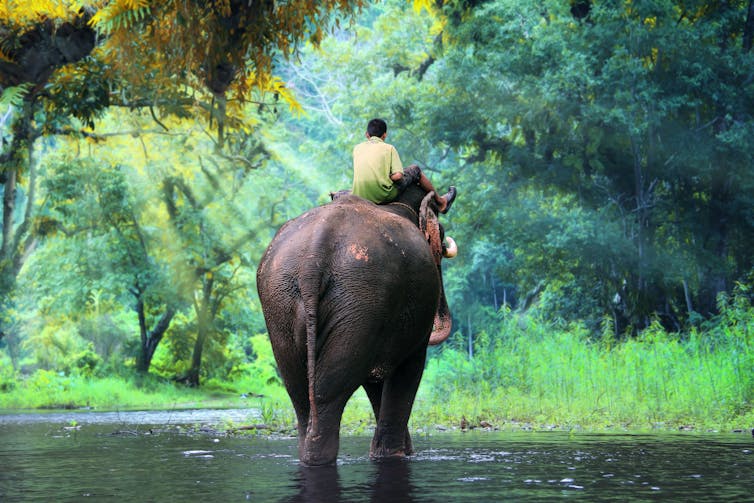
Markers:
point(350, 293)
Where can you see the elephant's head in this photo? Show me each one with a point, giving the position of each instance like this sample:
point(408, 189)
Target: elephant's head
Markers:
point(442, 247)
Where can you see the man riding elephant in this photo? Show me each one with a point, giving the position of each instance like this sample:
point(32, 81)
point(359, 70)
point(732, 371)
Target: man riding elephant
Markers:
point(378, 173)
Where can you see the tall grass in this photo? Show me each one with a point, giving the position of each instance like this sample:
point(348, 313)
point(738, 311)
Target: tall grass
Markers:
point(535, 372)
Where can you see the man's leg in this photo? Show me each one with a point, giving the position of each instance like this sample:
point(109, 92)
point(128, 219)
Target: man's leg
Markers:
point(414, 174)
point(424, 183)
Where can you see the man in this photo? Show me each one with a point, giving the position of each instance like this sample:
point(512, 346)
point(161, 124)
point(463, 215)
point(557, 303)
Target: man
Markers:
point(378, 173)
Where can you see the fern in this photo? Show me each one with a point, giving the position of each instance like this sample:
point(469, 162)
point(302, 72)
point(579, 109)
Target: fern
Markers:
point(121, 14)
point(14, 96)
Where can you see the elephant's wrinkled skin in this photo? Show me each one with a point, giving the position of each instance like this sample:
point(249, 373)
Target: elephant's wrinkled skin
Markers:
point(363, 280)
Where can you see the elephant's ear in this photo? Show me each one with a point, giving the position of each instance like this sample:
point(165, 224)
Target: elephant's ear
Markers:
point(430, 227)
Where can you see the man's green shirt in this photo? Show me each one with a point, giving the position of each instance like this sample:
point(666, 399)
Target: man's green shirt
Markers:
point(373, 163)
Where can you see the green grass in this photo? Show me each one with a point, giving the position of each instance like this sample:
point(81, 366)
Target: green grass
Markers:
point(542, 376)
point(50, 390)
point(530, 374)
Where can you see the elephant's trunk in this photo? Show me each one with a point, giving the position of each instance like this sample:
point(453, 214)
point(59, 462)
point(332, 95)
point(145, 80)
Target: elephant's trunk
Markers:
point(443, 322)
point(440, 330)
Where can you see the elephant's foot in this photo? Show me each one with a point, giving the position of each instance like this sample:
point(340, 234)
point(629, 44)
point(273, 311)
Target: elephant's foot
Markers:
point(390, 445)
point(383, 454)
point(319, 448)
point(313, 459)
point(317, 453)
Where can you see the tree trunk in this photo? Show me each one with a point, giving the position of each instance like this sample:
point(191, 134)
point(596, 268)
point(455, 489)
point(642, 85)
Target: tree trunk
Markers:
point(192, 377)
point(471, 336)
point(204, 319)
point(717, 243)
point(17, 241)
point(151, 339)
point(645, 301)
point(494, 292)
point(9, 206)
point(687, 297)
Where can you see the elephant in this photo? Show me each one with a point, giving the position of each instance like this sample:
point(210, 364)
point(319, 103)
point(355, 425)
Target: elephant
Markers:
point(350, 292)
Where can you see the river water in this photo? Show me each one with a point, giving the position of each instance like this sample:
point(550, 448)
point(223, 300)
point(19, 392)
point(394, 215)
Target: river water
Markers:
point(179, 456)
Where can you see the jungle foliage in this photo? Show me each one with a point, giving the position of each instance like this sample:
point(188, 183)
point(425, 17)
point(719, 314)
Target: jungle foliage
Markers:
point(192, 69)
point(601, 150)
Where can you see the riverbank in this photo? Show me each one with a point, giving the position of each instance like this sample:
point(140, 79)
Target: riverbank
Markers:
point(270, 412)
point(529, 374)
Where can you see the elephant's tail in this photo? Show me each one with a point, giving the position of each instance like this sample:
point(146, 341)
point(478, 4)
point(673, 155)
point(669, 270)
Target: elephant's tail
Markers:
point(311, 359)
point(310, 296)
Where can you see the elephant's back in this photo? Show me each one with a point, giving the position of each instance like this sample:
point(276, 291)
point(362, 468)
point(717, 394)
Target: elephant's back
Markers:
point(348, 231)
point(355, 252)
point(359, 237)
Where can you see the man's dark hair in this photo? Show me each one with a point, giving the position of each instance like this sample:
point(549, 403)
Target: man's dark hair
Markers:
point(377, 127)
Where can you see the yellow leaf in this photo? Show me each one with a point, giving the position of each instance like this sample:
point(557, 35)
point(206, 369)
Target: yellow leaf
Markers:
point(21, 12)
point(278, 86)
point(422, 4)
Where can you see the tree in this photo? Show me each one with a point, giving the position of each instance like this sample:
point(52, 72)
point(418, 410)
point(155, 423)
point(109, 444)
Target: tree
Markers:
point(160, 227)
point(31, 49)
point(63, 63)
point(213, 255)
point(627, 111)
point(591, 135)
point(91, 205)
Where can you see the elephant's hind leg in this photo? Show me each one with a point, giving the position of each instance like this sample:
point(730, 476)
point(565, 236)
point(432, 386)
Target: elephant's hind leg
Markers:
point(286, 336)
point(320, 444)
point(374, 392)
point(391, 436)
point(335, 383)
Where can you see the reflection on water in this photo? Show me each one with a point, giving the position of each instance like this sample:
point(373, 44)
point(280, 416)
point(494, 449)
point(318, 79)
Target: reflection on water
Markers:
point(78, 460)
point(383, 481)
